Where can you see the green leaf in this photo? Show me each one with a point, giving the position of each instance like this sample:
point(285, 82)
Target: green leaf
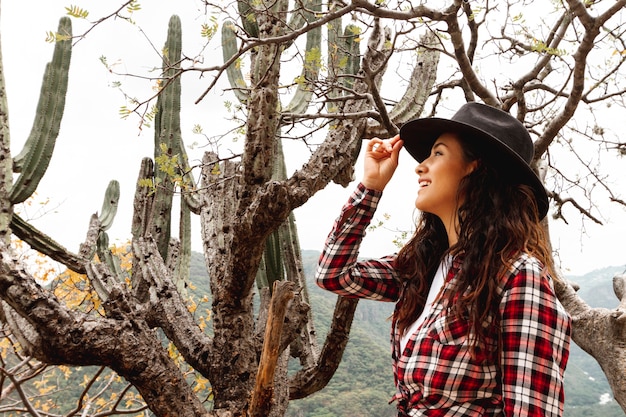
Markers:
point(133, 6)
point(77, 12)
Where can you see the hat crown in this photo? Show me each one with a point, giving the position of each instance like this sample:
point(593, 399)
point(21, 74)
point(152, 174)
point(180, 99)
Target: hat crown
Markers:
point(499, 124)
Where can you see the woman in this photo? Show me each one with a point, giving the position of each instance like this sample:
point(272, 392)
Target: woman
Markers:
point(477, 329)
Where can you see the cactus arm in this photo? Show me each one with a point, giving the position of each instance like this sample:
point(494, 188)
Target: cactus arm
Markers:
point(261, 274)
point(351, 46)
point(109, 205)
point(421, 82)
point(181, 272)
point(144, 200)
point(306, 14)
point(275, 268)
point(167, 123)
point(106, 257)
point(143, 207)
point(310, 72)
point(34, 159)
point(107, 215)
point(169, 143)
point(272, 267)
point(101, 280)
point(189, 192)
point(333, 46)
point(233, 72)
point(248, 19)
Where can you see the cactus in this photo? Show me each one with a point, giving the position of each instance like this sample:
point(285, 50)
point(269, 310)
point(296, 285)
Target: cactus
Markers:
point(311, 67)
point(310, 70)
point(171, 160)
point(32, 162)
point(168, 144)
point(351, 46)
point(248, 18)
point(167, 134)
point(420, 84)
point(109, 205)
point(106, 217)
point(233, 72)
point(106, 256)
point(332, 61)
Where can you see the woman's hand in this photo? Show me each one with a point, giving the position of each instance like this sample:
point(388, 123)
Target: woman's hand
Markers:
point(381, 161)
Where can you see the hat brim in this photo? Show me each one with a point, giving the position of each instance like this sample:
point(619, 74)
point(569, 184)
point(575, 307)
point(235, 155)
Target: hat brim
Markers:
point(420, 135)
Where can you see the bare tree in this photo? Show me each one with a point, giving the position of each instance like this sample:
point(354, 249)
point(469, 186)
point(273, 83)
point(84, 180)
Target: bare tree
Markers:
point(462, 50)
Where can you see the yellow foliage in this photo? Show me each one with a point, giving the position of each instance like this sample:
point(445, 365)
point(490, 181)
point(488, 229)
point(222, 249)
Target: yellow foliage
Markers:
point(43, 385)
point(201, 383)
point(75, 291)
point(86, 380)
point(173, 353)
point(47, 406)
point(66, 370)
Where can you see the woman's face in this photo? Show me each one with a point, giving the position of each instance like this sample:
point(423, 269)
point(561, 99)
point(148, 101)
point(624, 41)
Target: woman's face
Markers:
point(439, 177)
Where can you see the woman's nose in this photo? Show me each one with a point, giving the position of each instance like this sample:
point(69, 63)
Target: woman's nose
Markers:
point(419, 169)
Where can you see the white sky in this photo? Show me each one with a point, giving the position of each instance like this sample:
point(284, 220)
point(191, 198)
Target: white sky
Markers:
point(95, 145)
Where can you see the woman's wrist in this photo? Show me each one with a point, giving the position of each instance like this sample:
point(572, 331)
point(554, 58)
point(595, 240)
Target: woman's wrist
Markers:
point(373, 185)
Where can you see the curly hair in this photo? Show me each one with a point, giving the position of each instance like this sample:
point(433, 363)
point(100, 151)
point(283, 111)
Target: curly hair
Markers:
point(498, 220)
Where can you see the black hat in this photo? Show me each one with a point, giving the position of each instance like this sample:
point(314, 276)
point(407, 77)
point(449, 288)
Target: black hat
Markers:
point(499, 136)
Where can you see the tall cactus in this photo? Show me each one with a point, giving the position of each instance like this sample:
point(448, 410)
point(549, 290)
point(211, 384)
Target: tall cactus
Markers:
point(167, 135)
point(171, 159)
point(32, 162)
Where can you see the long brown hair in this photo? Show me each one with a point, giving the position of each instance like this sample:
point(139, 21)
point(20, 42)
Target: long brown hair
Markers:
point(498, 220)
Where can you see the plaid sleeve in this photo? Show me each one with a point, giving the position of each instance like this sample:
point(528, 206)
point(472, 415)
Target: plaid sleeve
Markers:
point(535, 343)
point(338, 269)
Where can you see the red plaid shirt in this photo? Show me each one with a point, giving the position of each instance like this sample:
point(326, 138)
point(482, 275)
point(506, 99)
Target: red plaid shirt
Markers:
point(435, 375)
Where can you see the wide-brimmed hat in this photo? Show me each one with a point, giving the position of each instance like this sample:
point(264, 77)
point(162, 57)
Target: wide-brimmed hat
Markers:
point(501, 139)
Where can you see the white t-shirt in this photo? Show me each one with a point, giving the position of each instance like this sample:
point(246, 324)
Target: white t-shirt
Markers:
point(435, 287)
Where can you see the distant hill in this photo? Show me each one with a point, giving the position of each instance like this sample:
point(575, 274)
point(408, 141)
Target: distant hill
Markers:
point(363, 384)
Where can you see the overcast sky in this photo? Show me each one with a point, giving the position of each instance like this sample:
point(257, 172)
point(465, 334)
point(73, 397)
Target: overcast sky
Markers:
point(95, 145)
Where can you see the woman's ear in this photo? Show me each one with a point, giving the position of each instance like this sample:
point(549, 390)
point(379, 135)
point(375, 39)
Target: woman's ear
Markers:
point(472, 166)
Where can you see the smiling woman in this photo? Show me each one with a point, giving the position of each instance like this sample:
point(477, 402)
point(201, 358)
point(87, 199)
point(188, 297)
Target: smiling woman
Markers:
point(472, 277)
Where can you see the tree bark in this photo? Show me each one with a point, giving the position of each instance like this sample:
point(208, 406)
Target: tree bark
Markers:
point(262, 396)
point(57, 335)
point(601, 333)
